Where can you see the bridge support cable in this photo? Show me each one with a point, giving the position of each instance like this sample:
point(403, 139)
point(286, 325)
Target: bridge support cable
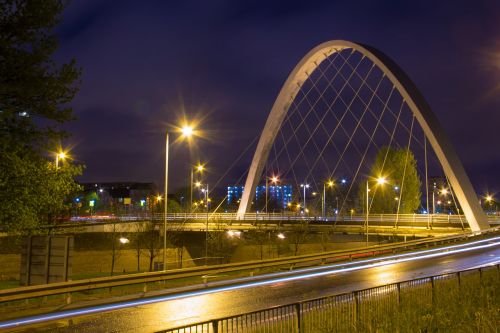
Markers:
point(404, 172)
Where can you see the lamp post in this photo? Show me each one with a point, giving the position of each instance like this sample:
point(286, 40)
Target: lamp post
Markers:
point(379, 181)
point(304, 186)
point(489, 200)
point(60, 156)
point(187, 132)
point(323, 206)
point(206, 223)
point(199, 168)
point(274, 180)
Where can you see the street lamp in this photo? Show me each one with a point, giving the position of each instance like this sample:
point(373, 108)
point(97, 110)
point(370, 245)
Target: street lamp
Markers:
point(489, 199)
point(330, 184)
point(187, 132)
point(379, 181)
point(207, 200)
point(199, 168)
point(304, 186)
point(60, 156)
point(274, 180)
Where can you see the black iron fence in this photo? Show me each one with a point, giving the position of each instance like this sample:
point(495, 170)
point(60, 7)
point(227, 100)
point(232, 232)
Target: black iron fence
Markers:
point(391, 307)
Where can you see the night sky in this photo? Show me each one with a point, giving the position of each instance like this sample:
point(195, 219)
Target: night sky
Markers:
point(145, 63)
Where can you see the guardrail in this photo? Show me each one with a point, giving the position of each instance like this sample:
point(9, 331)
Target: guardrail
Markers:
point(357, 311)
point(86, 285)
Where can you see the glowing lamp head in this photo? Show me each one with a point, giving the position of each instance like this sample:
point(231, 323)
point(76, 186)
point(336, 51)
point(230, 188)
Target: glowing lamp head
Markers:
point(61, 155)
point(274, 179)
point(158, 198)
point(187, 131)
point(200, 168)
point(444, 191)
point(281, 236)
point(489, 198)
point(330, 183)
point(197, 184)
point(124, 240)
point(381, 180)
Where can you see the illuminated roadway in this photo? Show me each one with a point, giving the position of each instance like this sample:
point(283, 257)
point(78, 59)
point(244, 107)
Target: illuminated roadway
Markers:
point(251, 294)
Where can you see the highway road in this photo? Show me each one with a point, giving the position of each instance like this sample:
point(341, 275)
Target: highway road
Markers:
point(161, 312)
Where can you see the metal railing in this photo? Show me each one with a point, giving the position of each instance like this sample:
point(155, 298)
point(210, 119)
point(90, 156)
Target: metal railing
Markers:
point(358, 310)
point(285, 216)
point(145, 279)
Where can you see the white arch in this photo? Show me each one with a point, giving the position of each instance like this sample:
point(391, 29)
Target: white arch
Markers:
point(433, 130)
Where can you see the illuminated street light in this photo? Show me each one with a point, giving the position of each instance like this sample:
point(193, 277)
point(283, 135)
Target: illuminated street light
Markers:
point(281, 236)
point(187, 132)
point(304, 186)
point(158, 198)
point(60, 156)
point(199, 168)
point(444, 191)
point(379, 181)
point(234, 233)
point(329, 183)
point(124, 240)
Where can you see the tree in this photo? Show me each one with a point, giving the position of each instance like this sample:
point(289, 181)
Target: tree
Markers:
point(298, 235)
point(34, 101)
point(403, 188)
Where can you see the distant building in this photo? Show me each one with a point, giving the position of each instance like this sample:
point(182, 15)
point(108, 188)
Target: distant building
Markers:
point(116, 197)
point(281, 193)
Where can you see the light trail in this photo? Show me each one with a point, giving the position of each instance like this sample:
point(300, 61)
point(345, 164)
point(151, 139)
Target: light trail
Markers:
point(357, 262)
point(296, 275)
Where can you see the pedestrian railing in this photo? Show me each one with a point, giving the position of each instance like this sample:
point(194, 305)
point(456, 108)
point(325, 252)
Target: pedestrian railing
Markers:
point(418, 220)
point(366, 310)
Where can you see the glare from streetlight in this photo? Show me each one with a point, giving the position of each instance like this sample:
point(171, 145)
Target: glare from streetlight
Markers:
point(281, 236)
point(159, 198)
point(274, 179)
point(61, 155)
point(197, 184)
point(381, 180)
point(444, 191)
point(489, 198)
point(124, 240)
point(330, 183)
point(200, 168)
point(187, 131)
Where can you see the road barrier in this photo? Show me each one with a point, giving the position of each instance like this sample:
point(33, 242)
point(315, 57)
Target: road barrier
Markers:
point(68, 289)
point(357, 311)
